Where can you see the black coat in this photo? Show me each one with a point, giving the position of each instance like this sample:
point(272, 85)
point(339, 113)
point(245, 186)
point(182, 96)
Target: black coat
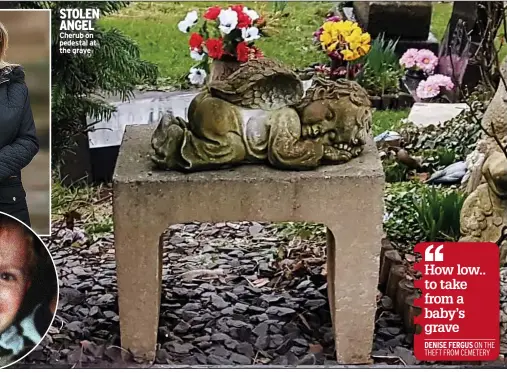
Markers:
point(18, 140)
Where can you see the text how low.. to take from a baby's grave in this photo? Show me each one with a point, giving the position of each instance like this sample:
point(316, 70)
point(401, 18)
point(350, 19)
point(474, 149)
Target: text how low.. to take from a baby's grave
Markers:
point(459, 317)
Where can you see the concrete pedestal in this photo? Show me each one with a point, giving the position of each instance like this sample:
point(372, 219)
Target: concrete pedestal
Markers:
point(347, 198)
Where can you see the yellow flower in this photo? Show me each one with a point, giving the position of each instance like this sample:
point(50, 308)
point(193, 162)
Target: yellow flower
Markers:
point(354, 39)
point(328, 26)
point(326, 38)
point(364, 49)
point(348, 55)
point(332, 47)
point(347, 38)
point(366, 38)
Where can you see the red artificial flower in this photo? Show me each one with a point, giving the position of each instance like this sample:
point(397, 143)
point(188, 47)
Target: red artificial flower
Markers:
point(195, 41)
point(242, 52)
point(212, 13)
point(238, 8)
point(215, 48)
point(243, 19)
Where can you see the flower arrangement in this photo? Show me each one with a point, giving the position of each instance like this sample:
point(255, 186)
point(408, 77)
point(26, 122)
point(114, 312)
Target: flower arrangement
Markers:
point(424, 63)
point(344, 42)
point(432, 87)
point(231, 39)
point(419, 60)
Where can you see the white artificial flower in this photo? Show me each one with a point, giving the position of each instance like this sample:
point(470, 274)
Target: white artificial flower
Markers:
point(192, 17)
point(196, 55)
point(228, 20)
point(251, 13)
point(184, 26)
point(197, 76)
point(250, 33)
point(189, 21)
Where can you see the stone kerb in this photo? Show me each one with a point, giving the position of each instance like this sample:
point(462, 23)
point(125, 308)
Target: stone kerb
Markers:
point(347, 198)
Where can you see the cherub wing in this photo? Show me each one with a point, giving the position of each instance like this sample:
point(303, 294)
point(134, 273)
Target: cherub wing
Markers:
point(260, 84)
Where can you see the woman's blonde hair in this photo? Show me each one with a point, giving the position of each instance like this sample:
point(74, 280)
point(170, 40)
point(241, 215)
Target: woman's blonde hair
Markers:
point(4, 43)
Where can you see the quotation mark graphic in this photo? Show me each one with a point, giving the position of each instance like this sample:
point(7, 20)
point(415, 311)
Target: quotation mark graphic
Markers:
point(438, 256)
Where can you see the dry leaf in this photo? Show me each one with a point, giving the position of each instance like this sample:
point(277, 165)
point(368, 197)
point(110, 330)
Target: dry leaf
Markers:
point(303, 320)
point(260, 282)
point(410, 258)
point(315, 349)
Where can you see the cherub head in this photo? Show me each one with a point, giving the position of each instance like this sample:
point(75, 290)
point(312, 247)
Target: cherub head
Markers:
point(339, 114)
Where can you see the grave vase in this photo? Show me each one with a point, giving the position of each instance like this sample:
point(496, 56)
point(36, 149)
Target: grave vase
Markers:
point(415, 75)
point(221, 69)
point(412, 79)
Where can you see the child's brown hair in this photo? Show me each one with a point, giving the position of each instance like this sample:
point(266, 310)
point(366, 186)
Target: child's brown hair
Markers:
point(8, 223)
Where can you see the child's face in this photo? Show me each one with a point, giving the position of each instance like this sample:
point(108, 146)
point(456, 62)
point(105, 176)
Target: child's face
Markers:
point(14, 274)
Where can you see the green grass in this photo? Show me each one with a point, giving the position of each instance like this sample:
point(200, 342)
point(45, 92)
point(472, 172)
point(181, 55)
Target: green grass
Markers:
point(153, 26)
point(384, 120)
point(440, 18)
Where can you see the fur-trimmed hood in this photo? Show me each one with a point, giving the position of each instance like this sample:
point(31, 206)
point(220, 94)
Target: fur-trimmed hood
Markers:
point(13, 74)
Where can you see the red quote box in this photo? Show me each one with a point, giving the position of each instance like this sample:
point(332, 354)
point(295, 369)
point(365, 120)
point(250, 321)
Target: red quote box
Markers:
point(460, 302)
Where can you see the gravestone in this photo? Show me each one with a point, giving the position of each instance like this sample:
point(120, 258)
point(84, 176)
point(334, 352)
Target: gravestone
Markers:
point(459, 44)
point(406, 21)
point(425, 114)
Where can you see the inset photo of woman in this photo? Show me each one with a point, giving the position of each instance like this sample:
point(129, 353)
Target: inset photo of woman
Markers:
point(25, 112)
point(28, 290)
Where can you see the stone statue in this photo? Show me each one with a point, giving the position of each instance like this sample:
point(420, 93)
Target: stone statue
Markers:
point(261, 113)
point(484, 213)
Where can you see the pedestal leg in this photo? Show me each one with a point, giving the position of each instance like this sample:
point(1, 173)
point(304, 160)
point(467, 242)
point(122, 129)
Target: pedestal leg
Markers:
point(139, 272)
point(353, 252)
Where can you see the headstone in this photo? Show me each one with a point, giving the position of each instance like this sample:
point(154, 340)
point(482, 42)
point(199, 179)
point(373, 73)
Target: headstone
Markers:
point(406, 21)
point(454, 56)
point(460, 42)
point(410, 19)
point(425, 114)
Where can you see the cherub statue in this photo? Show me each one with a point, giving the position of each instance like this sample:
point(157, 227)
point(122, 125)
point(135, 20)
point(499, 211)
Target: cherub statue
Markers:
point(262, 114)
point(484, 212)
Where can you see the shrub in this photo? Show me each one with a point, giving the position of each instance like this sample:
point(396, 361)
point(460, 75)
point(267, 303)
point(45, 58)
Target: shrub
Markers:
point(381, 72)
point(438, 213)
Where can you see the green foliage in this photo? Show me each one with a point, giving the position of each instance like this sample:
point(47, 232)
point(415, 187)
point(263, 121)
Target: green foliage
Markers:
point(302, 230)
point(400, 223)
point(438, 213)
point(279, 6)
point(459, 134)
point(394, 171)
point(385, 120)
point(381, 72)
point(80, 81)
point(436, 159)
point(417, 212)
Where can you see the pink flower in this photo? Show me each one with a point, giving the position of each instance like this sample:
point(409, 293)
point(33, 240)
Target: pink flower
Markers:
point(426, 61)
point(441, 81)
point(430, 87)
point(427, 89)
point(408, 59)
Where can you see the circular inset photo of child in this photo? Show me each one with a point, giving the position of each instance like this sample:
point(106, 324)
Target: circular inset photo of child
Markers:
point(28, 290)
